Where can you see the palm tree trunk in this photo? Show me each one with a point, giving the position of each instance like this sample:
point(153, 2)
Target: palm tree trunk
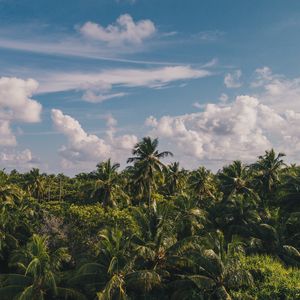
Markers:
point(149, 194)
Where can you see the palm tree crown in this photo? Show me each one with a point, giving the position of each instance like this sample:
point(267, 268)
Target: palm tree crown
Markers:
point(147, 163)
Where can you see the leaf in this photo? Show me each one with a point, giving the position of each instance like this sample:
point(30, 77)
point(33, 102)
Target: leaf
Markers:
point(10, 292)
point(202, 282)
point(143, 280)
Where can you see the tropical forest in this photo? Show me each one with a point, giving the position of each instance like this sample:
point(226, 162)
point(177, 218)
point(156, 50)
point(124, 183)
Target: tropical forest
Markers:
point(152, 230)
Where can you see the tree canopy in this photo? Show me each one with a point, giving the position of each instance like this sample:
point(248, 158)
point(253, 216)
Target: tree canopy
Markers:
point(153, 230)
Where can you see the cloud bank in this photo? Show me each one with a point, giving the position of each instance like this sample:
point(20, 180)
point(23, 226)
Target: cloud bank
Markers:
point(242, 129)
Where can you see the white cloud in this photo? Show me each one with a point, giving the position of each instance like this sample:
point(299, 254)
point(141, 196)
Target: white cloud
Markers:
point(85, 150)
point(198, 105)
point(223, 98)
point(151, 78)
point(240, 130)
point(278, 91)
point(232, 80)
point(78, 48)
point(208, 36)
point(110, 121)
point(16, 105)
point(125, 30)
point(126, 1)
point(7, 138)
point(21, 160)
point(16, 102)
point(91, 96)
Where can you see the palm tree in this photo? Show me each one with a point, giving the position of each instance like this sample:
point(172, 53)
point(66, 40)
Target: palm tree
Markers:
point(235, 179)
point(4, 178)
point(107, 183)
point(202, 184)
point(37, 278)
point(266, 238)
point(267, 170)
point(214, 270)
point(290, 191)
point(189, 218)
point(16, 214)
point(36, 184)
point(236, 215)
point(174, 178)
point(147, 162)
point(114, 275)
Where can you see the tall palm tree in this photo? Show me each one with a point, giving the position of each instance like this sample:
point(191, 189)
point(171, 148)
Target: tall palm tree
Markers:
point(36, 184)
point(148, 165)
point(107, 182)
point(267, 170)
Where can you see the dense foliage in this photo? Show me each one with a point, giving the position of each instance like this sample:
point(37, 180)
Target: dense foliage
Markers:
point(152, 231)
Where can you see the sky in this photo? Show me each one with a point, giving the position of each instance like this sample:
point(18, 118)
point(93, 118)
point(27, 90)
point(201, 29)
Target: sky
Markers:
point(84, 81)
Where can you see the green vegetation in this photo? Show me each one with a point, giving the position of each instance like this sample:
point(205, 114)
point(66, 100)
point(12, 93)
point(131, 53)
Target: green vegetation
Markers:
point(152, 231)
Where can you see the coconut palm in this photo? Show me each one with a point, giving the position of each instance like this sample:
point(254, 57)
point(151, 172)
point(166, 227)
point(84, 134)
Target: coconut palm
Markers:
point(112, 275)
point(35, 184)
point(290, 192)
point(107, 183)
point(235, 179)
point(266, 238)
point(189, 218)
point(15, 213)
point(214, 270)
point(202, 184)
point(236, 215)
point(148, 166)
point(174, 178)
point(267, 170)
point(37, 278)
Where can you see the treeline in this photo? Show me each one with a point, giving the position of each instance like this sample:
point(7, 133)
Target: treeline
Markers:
point(152, 231)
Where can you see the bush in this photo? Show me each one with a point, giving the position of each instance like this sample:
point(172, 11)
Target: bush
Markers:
point(272, 279)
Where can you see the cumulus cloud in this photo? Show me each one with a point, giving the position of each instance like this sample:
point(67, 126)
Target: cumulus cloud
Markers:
point(16, 105)
point(84, 150)
point(242, 129)
point(125, 30)
point(232, 80)
point(16, 102)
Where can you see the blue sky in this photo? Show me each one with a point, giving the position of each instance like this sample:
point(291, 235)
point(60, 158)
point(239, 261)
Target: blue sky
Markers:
point(82, 82)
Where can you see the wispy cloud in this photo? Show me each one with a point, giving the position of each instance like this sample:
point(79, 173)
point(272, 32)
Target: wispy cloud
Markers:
point(208, 35)
point(232, 80)
point(93, 97)
point(75, 48)
point(106, 80)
